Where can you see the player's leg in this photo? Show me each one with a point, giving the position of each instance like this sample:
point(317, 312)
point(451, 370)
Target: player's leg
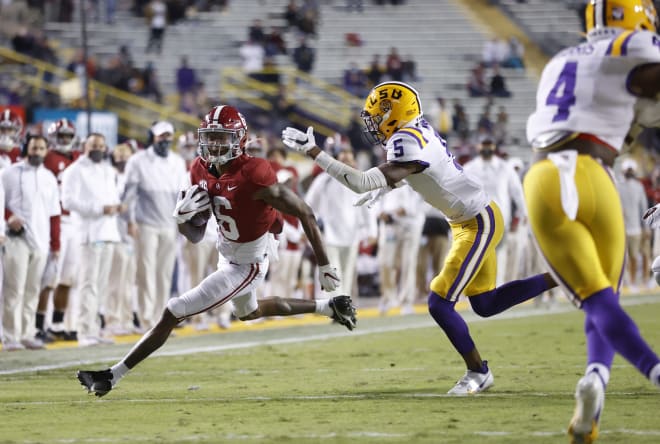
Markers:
point(590, 272)
point(486, 300)
point(219, 287)
point(473, 241)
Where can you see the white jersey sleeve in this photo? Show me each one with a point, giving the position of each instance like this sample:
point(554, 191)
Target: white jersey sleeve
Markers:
point(405, 145)
point(442, 182)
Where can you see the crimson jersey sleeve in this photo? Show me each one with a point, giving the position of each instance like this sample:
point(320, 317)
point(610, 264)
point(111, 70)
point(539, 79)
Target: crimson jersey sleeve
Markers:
point(260, 172)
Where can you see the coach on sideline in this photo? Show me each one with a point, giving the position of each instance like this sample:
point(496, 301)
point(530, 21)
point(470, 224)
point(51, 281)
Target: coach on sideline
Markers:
point(154, 177)
point(91, 194)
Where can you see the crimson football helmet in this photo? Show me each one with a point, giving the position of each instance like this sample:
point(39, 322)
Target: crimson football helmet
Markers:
point(222, 135)
point(11, 129)
point(62, 135)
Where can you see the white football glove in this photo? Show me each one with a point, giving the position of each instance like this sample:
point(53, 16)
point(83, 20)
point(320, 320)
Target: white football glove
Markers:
point(328, 277)
point(191, 201)
point(297, 140)
point(370, 198)
point(652, 216)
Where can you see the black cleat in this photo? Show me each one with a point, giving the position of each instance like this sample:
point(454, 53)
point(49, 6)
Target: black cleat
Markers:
point(100, 383)
point(343, 311)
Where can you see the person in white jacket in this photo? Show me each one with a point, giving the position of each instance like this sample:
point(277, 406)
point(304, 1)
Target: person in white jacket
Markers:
point(32, 203)
point(504, 186)
point(344, 224)
point(154, 177)
point(401, 219)
point(91, 193)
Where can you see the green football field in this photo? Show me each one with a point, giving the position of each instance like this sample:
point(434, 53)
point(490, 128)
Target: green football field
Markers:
point(316, 382)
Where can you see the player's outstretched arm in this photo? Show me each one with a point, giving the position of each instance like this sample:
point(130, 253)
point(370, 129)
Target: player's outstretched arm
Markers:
point(285, 200)
point(387, 174)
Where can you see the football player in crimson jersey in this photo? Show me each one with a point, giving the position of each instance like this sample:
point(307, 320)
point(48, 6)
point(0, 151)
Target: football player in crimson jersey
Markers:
point(11, 130)
point(62, 152)
point(244, 196)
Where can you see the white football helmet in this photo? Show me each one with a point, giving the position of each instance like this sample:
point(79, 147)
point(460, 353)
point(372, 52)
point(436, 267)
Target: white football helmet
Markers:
point(62, 135)
point(11, 129)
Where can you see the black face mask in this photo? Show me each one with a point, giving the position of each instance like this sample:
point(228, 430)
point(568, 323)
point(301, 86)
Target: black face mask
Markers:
point(96, 156)
point(120, 166)
point(162, 147)
point(629, 174)
point(35, 160)
point(486, 154)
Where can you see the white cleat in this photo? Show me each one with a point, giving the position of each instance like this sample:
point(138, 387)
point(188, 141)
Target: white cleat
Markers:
point(472, 382)
point(589, 402)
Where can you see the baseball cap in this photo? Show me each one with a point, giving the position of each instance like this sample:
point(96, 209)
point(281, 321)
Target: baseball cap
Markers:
point(162, 127)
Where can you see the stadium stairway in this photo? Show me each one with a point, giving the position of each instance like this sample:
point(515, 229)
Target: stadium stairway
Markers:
point(438, 35)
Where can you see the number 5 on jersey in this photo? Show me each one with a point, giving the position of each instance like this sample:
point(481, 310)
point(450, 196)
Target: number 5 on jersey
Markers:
point(562, 93)
point(226, 224)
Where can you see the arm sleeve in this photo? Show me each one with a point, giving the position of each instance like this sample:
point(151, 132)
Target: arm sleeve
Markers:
point(55, 233)
point(3, 224)
point(516, 192)
point(129, 197)
point(358, 181)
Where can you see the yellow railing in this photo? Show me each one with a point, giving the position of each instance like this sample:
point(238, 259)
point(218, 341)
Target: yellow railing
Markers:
point(317, 102)
point(135, 114)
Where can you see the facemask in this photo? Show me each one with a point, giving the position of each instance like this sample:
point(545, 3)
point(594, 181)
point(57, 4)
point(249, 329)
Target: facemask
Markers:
point(162, 147)
point(96, 155)
point(35, 160)
point(120, 166)
point(629, 174)
point(486, 154)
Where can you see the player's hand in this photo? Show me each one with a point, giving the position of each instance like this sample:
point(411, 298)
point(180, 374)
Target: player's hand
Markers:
point(191, 201)
point(369, 199)
point(328, 277)
point(652, 216)
point(297, 140)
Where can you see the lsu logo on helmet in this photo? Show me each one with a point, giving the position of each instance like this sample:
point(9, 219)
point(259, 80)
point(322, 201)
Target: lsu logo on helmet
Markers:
point(632, 15)
point(389, 107)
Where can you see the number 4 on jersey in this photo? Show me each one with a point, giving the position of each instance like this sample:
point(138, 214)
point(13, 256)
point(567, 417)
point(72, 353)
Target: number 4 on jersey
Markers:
point(563, 93)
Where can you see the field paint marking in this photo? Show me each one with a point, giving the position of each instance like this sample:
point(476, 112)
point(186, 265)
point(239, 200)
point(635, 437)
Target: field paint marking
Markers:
point(516, 314)
point(374, 396)
point(363, 434)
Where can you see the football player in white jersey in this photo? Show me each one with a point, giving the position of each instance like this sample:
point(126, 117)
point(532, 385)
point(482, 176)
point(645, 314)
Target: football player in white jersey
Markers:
point(416, 153)
point(586, 103)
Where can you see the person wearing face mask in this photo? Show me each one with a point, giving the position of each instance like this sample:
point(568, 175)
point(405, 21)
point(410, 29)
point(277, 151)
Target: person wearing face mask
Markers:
point(504, 186)
point(91, 194)
point(154, 177)
point(634, 203)
point(32, 212)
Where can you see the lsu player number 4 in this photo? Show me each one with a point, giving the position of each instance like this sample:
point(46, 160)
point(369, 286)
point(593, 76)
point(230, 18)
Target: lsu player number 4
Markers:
point(589, 98)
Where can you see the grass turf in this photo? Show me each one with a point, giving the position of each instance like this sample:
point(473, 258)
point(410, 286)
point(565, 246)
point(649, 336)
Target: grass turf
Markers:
point(388, 386)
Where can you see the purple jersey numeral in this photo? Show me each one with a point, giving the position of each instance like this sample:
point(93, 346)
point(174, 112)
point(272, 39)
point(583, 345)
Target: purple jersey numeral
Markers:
point(563, 93)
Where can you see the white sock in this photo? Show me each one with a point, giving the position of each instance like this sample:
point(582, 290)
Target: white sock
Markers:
point(654, 376)
point(602, 371)
point(323, 307)
point(118, 371)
